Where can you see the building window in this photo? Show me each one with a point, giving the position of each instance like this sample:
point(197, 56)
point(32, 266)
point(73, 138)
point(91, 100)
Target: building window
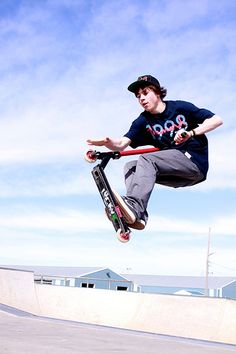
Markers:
point(87, 285)
point(122, 288)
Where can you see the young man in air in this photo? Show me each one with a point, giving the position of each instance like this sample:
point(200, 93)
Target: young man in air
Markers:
point(178, 129)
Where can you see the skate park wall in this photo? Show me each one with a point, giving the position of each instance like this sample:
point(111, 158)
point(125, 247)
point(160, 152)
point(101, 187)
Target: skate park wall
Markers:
point(205, 318)
point(17, 289)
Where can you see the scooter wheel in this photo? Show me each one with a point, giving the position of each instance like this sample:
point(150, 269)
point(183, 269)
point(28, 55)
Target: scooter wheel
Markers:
point(90, 156)
point(123, 236)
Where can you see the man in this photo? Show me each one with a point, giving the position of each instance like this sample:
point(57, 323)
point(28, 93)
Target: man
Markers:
point(178, 129)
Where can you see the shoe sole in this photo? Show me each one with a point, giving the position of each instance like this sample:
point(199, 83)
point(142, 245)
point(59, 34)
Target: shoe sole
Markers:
point(126, 212)
point(137, 225)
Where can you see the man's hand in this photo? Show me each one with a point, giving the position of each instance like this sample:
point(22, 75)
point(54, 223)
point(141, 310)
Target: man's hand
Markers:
point(111, 144)
point(99, 142)
point(181, 136)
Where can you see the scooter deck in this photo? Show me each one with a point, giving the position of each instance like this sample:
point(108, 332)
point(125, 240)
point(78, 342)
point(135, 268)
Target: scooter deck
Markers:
point(112, 208)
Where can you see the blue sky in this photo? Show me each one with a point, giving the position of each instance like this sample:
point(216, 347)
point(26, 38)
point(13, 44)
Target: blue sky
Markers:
point(64, 67)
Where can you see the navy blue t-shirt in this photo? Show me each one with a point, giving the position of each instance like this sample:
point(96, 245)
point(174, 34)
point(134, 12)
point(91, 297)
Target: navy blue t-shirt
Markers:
point(159, 130)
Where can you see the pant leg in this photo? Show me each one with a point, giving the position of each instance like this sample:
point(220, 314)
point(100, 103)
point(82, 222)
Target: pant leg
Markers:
point(129, 172)
point(168, 167)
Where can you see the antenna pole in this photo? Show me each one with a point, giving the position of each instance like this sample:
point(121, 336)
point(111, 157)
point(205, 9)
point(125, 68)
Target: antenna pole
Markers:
point(208, 263)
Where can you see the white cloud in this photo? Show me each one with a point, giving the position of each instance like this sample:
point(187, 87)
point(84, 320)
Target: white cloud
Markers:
point(94, 220)
point(222, 225)
point(61, 221)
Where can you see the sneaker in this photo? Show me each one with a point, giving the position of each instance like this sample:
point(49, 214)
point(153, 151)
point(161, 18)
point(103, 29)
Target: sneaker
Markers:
point(139, 224)
point(126, 210)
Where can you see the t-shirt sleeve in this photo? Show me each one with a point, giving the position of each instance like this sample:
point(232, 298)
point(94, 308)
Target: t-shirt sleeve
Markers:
point(137, 133)
point(198, 115)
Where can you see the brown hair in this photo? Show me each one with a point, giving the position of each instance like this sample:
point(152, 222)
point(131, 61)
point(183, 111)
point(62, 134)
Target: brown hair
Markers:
point(161, 91)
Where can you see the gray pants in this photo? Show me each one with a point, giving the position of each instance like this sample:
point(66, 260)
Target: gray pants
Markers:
point(167, 167)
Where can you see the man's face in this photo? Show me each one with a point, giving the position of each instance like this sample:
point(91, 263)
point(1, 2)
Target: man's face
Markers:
point(148, 99)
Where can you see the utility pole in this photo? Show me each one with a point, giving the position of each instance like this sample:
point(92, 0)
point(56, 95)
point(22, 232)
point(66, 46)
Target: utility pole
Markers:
point(208, 263)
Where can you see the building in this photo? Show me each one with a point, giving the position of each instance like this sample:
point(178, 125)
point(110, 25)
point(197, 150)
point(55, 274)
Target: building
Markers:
point(105, 278)
point(84, 277)
point(184, 285)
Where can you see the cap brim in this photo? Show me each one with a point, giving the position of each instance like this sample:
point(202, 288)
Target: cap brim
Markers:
point(137, 84)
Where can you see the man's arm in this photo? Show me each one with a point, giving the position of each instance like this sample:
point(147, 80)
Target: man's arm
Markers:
point(208, 125)
point(111, 144)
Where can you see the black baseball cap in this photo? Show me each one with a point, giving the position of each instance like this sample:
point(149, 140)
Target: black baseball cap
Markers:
point(143, 81)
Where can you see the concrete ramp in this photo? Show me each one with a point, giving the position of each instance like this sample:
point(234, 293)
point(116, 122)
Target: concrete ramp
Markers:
point(24, 334)
point(17, 289)
point(208, 319)
point(190, 317)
